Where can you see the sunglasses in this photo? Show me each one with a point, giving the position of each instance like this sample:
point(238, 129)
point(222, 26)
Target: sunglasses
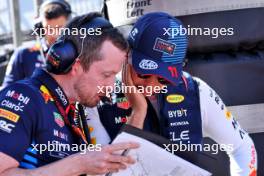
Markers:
point(160, 79)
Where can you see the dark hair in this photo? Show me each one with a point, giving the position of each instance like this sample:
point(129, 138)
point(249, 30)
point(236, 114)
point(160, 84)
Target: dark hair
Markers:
point(92, 43)
point(52, 11)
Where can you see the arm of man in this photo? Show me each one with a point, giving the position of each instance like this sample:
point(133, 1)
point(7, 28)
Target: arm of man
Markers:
point(221, 126)
point(18, 124)
point(92, 163)
point(9, 167)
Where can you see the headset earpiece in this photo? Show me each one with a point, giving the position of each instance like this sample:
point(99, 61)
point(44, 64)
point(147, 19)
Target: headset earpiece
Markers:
point(61, 57)
point(63, 53)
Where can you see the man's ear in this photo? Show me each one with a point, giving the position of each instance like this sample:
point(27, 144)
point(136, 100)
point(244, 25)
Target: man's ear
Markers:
point(76, 68)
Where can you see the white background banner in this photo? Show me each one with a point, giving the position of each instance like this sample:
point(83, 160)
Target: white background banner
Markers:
point(123, 12)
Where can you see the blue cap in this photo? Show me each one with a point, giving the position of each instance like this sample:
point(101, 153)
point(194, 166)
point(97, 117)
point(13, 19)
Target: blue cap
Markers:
point(157, 47)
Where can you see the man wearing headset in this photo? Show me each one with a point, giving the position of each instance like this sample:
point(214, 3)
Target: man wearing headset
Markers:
point(53, 15)
point(189, 110)
point(37, 115)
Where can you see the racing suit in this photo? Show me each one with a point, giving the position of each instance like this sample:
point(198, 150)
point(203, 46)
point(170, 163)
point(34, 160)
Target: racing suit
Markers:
point(185, 114)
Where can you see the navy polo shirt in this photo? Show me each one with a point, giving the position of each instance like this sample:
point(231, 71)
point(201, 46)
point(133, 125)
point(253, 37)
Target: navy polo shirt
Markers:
point(30, 120)
point(22, 64)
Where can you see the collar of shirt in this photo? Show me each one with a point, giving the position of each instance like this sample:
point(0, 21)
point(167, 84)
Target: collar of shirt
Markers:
point(53, 87)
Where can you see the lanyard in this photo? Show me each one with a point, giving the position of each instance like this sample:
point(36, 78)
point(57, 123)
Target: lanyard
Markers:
point(70, 117)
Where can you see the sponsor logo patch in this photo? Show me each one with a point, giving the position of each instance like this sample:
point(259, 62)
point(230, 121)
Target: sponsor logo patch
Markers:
point(119, 120)
point(164, 46)
point(15, 107)
point(122, 103)
point(61, 95)
point(183, 136)
point(175, 98)
point(53, 58)
point(7, 127)
point(46, 94)
point(178, 113)
point(58, 119)
point(133, 33)
point(9, 115)
point(61, 135)
point(17, 96)
point(148, 64)
point(182, 123)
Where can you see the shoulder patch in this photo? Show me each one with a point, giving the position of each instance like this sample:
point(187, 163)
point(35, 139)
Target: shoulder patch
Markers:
point(46, 94)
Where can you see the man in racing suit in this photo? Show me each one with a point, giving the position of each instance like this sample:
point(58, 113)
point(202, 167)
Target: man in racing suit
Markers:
point(187, 111)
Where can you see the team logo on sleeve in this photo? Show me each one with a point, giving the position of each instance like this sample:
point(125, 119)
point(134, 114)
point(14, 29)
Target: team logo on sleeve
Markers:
point(58, 119)
point(17, 96)
point(9, 115)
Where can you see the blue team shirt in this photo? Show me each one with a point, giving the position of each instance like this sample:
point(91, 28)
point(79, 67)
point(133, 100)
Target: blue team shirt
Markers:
point(22, 64)
point(29, 117)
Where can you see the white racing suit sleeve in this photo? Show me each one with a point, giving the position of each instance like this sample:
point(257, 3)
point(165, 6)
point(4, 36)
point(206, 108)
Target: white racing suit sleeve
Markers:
point(219, 124)
point(98, 133)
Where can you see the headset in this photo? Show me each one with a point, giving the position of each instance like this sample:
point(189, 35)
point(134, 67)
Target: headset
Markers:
point(62, 3)
point(63, 53)
point(38, 22)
